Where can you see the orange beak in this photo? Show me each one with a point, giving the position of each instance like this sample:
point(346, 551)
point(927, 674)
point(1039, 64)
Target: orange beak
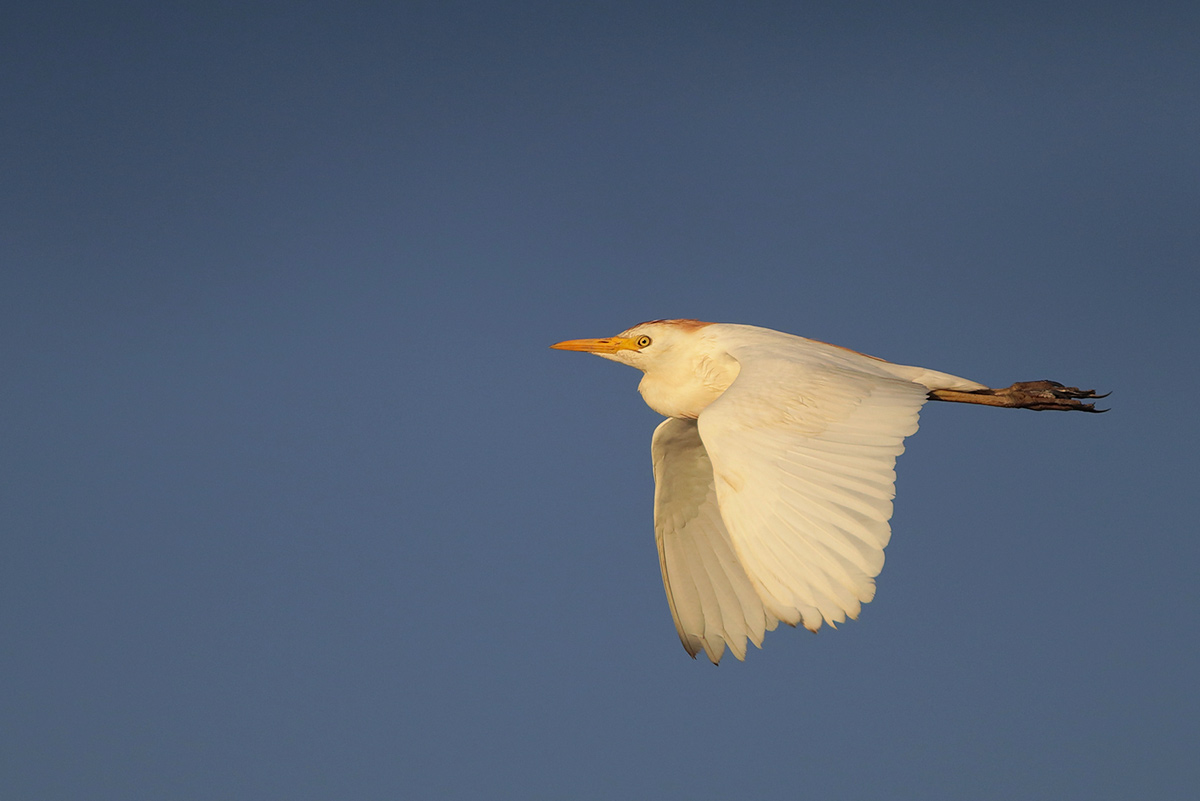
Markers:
point(606, 345)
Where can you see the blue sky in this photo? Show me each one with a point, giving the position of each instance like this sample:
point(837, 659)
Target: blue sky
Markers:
point(297, 503)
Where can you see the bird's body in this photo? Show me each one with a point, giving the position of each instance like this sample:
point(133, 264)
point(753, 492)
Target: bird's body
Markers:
point(774, 469)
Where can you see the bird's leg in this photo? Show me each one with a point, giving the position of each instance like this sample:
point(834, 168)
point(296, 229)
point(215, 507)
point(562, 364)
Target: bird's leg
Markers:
point(1037, 395)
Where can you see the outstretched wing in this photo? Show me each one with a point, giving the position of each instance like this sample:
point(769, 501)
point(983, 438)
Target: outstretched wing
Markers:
point(711, 598)
point(803, 446)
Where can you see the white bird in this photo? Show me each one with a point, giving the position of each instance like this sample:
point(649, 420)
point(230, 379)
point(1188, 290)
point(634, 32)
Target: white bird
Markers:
point(774, 470)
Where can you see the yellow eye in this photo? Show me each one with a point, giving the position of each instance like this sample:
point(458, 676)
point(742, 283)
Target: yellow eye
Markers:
point(643, 342)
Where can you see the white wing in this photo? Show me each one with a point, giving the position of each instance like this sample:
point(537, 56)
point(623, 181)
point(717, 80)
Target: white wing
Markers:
point(711, 598)
point(803, 446)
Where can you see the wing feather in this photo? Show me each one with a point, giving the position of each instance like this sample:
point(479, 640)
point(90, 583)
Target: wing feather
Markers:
point(803, 446)
point(712, 600)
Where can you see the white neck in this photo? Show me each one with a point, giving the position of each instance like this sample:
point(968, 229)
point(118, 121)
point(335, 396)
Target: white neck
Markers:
point(684, 387)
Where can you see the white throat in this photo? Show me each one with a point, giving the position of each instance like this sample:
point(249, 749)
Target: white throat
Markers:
point(684, 387)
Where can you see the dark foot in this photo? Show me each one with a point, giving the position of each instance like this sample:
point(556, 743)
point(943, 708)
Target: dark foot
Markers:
point(1037, 395)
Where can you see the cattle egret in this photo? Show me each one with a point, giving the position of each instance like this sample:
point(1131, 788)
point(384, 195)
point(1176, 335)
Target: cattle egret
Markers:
point(774, 470)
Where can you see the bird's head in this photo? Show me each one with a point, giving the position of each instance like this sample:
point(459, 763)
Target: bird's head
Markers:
point(644, 346)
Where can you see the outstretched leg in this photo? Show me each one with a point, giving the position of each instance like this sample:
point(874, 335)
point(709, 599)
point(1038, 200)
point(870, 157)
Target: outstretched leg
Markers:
point(1037, 395)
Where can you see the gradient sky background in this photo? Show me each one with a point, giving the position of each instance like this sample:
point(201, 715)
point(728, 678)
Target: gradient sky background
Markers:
point(297, 504)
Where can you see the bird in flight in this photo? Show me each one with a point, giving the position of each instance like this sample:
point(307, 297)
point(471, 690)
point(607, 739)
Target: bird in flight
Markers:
point(774, 470)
